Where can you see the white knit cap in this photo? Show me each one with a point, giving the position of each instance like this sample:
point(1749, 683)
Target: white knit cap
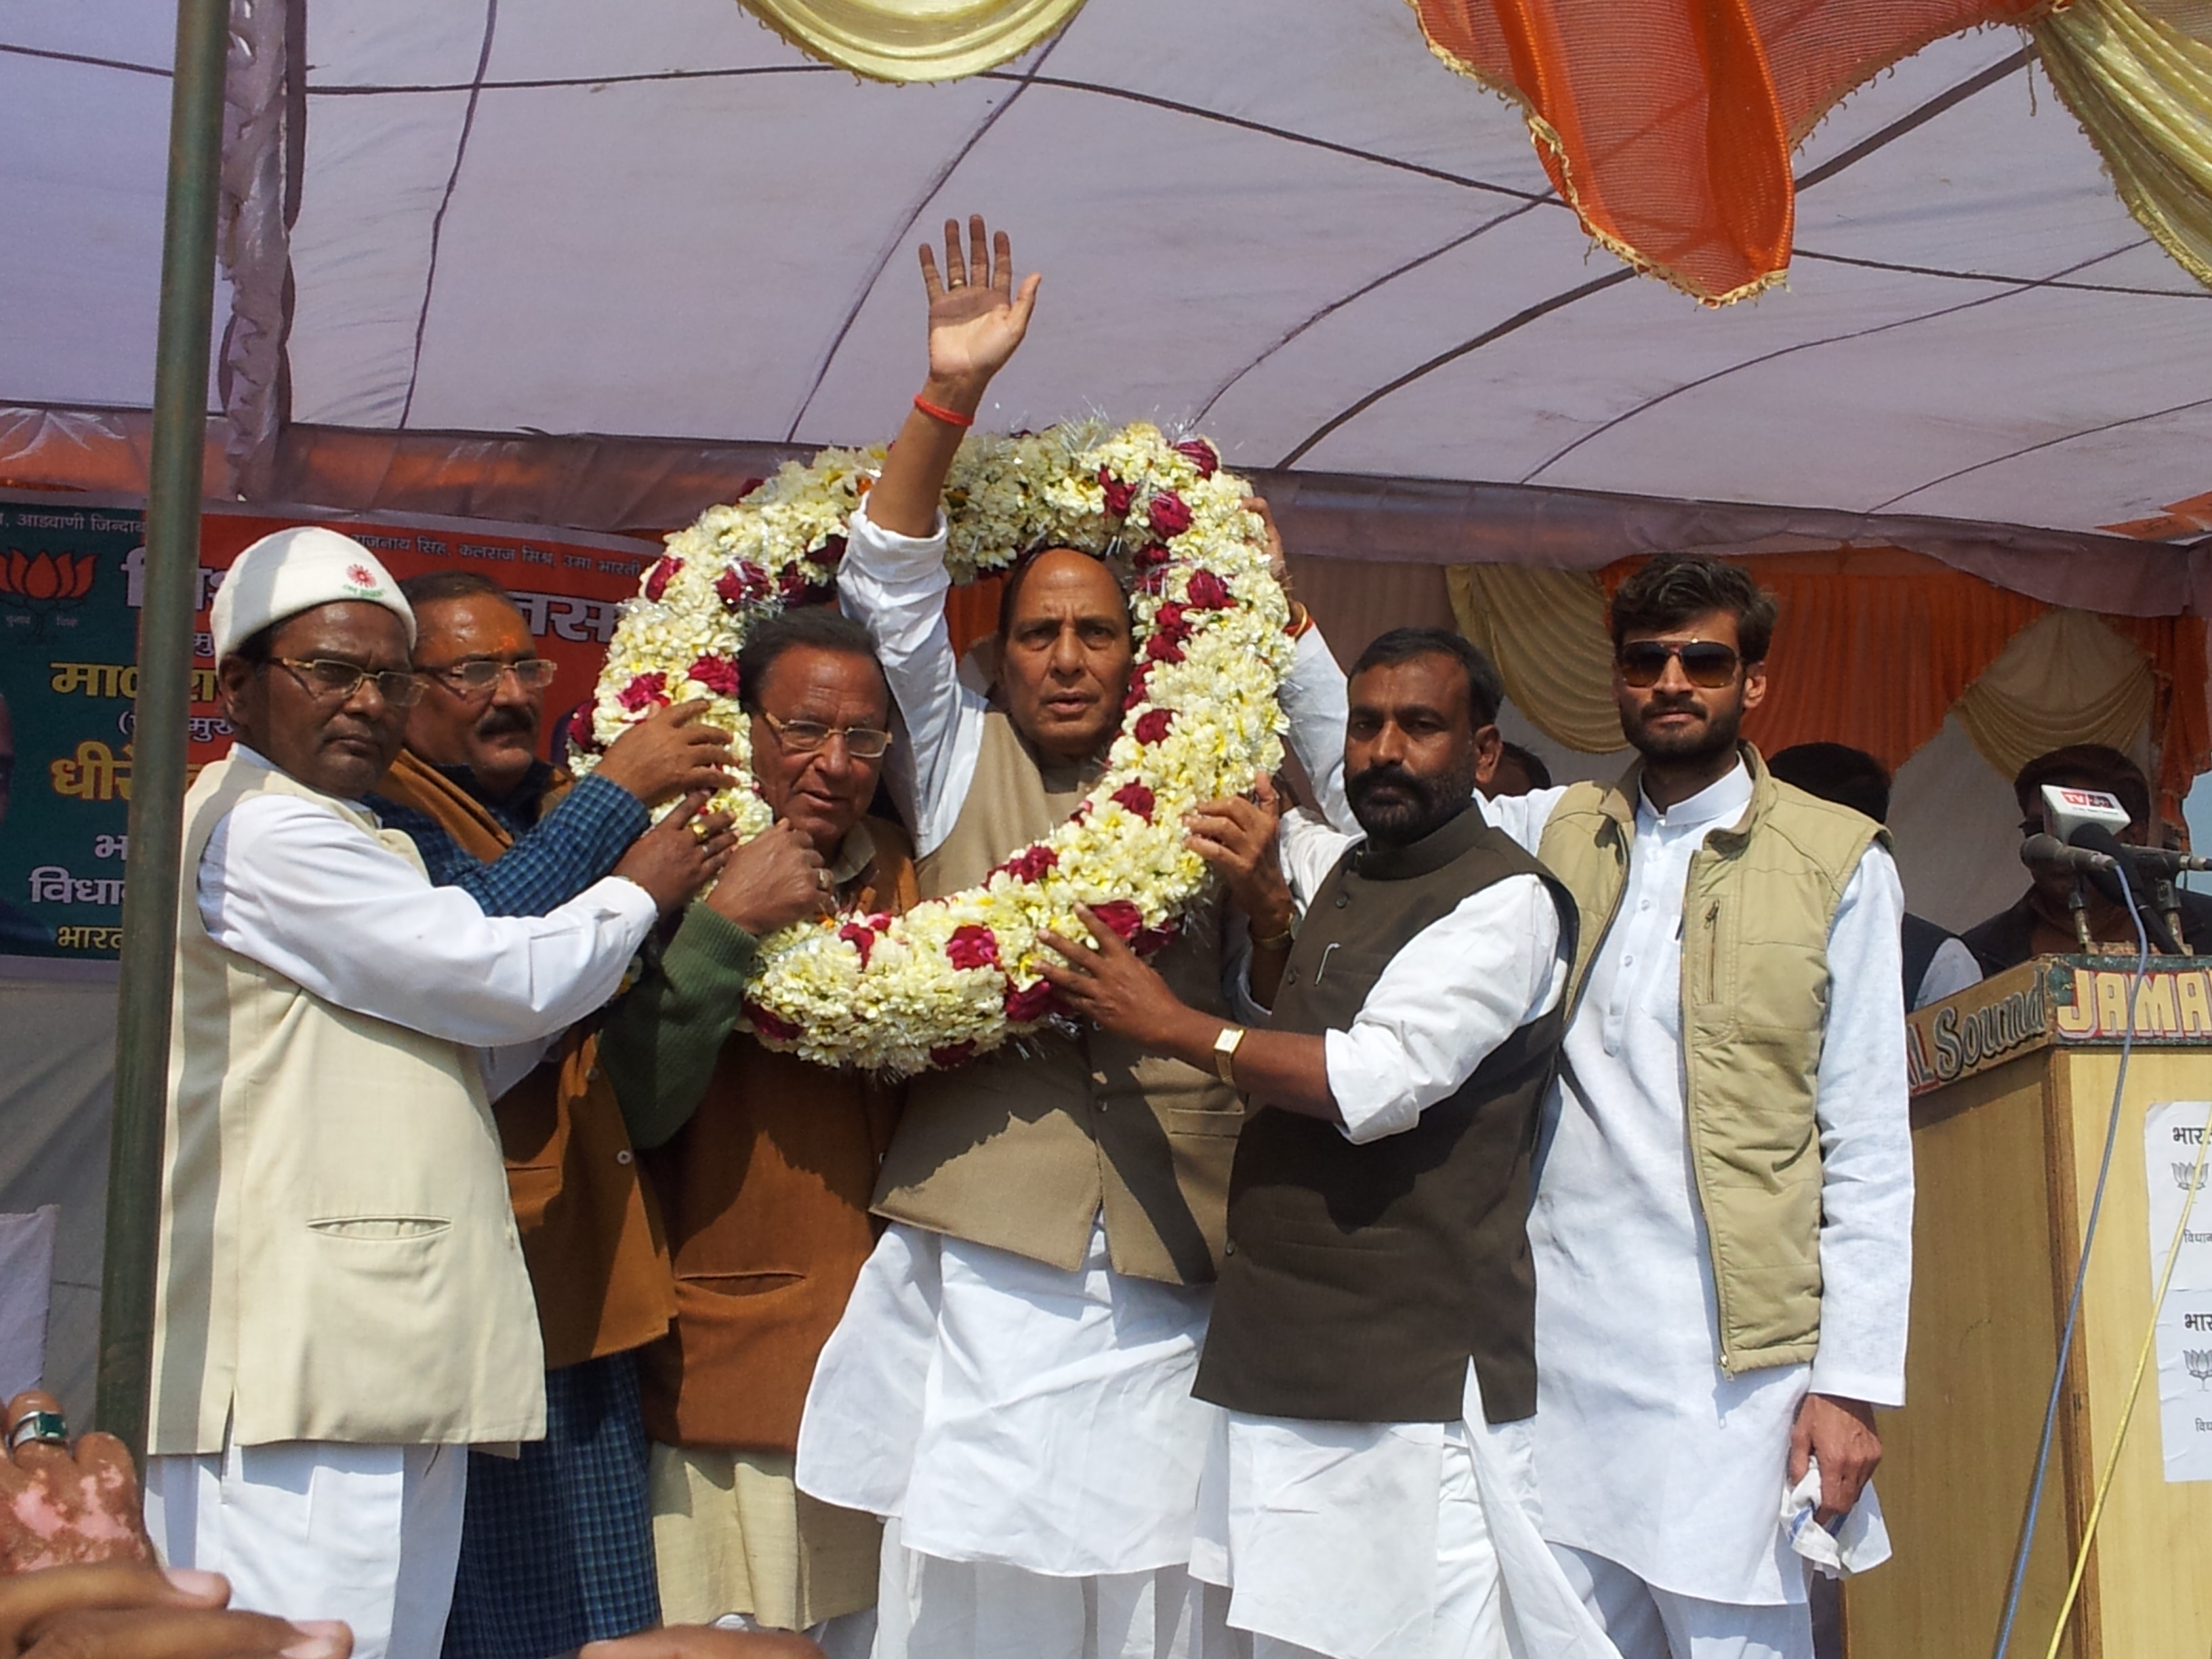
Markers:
point(296, 570)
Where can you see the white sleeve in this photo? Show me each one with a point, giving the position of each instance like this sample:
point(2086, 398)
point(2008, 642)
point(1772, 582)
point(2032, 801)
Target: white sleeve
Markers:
point(1523, 817)
point(1866, 1147)
point(894, 586)
point(1313, 699)
point(1307, 850)
point(301, 890)
point(1950, 970)
point(1457, 989)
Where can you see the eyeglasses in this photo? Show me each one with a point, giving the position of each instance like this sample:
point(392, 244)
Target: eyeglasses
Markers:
point(805, 737)
point(476, 676)
point(330, 680)
point(1705, 663)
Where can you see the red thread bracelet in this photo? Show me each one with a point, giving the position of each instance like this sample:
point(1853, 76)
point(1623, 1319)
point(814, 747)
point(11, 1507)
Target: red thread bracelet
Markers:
point(938, 412)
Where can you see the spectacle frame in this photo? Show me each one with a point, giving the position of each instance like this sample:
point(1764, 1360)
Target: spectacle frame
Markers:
point(805, 737)
point(1705, 663)
point(475, 676)
point(329, 679)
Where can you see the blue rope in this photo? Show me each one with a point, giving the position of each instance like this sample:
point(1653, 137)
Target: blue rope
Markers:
point(2081, 1275)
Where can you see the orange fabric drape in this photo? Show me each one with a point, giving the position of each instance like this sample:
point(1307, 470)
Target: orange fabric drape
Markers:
point(1668, 125)
point(2181, 722)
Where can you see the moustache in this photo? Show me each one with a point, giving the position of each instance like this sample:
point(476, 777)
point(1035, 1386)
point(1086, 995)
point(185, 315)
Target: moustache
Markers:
point(499, 722)
point(1389, 774)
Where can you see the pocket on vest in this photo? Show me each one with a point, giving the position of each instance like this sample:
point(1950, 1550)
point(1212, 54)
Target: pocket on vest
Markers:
point(1181, 1121)
point(380, 1229)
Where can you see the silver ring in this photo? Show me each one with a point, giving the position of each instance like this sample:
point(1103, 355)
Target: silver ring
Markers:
point(47, 1428)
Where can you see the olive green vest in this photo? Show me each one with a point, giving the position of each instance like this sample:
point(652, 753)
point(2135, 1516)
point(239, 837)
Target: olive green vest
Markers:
point(1756, 910)
point(1024, 1148)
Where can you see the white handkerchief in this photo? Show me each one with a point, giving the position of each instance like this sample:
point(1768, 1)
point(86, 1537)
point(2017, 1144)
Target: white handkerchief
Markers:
point(1860, 1541)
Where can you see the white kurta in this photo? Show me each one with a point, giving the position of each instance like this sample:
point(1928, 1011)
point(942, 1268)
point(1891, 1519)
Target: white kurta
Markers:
point(1012, 1418)
point(292, 886)
point(1391, 1540)
point(1648, 1453)
point(366, 1533)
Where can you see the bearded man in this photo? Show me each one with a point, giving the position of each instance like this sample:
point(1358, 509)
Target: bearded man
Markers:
point(1370, 1493)
point(763, 1164)
point(1010, 1382)
point(1722, 1227)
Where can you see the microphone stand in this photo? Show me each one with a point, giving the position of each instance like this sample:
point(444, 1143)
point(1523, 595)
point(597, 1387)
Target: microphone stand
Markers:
point(2078, 902)
point(2164, 893)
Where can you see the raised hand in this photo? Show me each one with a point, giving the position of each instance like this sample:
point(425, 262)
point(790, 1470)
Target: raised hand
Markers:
point(678, 855)
point(772, 880)
point(671, 753)
point(975, 318)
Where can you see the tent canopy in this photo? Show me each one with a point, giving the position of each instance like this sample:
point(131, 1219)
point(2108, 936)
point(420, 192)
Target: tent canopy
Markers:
point(1284, 223)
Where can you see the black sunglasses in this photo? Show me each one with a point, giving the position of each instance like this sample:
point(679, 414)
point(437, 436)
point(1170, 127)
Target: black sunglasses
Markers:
point(1705, 663)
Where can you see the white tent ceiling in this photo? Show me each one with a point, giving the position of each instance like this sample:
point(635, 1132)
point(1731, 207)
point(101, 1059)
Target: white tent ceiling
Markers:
point(1280, 218)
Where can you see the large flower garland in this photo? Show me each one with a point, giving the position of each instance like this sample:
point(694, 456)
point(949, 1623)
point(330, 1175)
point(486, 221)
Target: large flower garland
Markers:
point(956, 976)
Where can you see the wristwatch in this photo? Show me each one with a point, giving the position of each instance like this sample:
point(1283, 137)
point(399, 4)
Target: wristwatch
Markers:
point(1225, 1053)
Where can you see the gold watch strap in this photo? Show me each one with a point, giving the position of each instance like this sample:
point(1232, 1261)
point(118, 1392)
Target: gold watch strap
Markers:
point(1225, 1053)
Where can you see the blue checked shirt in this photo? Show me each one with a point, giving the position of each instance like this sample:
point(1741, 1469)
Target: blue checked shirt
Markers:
point(554, 857)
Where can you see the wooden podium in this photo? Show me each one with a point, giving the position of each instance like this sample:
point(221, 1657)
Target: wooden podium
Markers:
point(2012, 1083)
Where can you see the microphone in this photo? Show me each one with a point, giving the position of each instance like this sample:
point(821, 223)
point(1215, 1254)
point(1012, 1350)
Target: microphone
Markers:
point(2105, 875)
point(2049, 849)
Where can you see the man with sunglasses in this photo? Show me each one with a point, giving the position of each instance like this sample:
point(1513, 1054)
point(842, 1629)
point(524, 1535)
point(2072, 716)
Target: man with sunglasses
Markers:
point(1722, 1222)
point(341, 1304)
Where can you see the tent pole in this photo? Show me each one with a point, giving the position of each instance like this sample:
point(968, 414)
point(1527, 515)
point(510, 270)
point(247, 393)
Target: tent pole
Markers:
point(164, 662)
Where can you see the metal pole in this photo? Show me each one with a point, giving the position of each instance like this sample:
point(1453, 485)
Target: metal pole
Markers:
point(165, 663)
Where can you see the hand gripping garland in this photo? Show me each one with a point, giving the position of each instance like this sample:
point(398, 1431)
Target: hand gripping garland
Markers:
point(956, 976)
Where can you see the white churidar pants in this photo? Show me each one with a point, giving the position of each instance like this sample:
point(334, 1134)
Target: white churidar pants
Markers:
point(312, 1529)
point(1648, 1623)
point(1030, 1436)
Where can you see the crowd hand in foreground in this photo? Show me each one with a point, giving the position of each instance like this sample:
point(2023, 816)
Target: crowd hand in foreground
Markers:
point(76, 1570)
point(703, 1642)
point(671, 752)
point(119, 1611)
point(64, 1504)
point(680, 854)
point(772, 880)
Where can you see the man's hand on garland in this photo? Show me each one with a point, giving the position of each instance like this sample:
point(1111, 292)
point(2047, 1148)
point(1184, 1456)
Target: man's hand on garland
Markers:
point(1109, 984)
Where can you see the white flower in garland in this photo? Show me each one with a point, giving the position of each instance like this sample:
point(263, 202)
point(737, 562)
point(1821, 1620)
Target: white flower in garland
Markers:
point(957, 976)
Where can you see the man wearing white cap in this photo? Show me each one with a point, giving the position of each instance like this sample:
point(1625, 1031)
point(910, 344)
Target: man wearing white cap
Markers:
point(342, 1307)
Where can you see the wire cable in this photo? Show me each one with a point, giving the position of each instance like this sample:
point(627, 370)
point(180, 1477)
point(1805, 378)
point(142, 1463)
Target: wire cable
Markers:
point(2081, 1276)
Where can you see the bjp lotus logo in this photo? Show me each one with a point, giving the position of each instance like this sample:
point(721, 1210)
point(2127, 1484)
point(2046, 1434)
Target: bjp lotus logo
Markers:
point(47, 579)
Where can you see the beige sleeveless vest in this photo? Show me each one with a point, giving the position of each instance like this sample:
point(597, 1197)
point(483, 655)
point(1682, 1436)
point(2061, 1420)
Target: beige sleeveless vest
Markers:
point(1022, 1149)
point(1759, 902)
point(338, 1257)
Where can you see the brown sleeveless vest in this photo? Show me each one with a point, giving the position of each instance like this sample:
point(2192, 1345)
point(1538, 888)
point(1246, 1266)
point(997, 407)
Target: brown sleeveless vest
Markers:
point(1361, 1279)
point(766, 1189)
point(1022, 1149)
